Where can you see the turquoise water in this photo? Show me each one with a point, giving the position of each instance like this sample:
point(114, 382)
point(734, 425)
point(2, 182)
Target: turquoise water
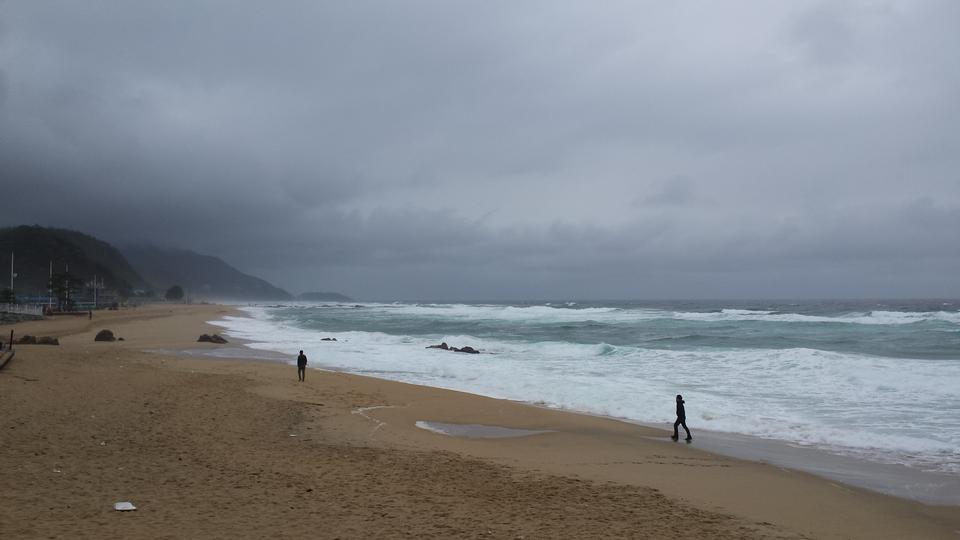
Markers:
point(899, 329)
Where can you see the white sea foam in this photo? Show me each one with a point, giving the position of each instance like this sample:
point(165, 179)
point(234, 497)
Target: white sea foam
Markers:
point(885, 409)
point(538, 314)
point(549, 313)
point(873, 317)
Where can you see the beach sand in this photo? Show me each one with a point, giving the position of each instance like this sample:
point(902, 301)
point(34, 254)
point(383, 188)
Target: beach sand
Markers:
point(239, 448)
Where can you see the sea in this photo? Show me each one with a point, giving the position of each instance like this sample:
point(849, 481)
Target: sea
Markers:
point(877, 380)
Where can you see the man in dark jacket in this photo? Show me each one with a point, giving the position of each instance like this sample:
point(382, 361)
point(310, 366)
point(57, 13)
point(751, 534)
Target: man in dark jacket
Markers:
point(302, 366)
point(681, 420)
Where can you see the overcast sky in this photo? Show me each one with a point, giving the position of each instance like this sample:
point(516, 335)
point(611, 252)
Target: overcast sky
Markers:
point(500, 149)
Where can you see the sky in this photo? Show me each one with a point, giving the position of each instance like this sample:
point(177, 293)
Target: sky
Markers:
point(500, 149)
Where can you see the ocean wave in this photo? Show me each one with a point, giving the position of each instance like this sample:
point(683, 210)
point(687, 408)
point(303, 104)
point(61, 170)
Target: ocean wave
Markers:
point(868, 318)
point(570, 312)
point(534, 314)
point(549, 314)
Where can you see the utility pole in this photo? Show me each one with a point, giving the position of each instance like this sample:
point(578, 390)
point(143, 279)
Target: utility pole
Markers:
point(94, 291)
point(50, 290)
point(13, 292)
point(66, 285)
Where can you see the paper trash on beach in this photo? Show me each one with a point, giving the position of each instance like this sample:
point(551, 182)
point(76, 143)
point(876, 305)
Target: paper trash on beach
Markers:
point(124, 506)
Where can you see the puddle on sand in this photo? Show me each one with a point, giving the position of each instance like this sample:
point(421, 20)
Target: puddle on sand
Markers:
point(477, 431)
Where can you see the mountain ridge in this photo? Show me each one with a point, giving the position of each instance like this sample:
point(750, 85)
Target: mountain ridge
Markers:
point(36, 249)
point(203, 276)
point(131, 271)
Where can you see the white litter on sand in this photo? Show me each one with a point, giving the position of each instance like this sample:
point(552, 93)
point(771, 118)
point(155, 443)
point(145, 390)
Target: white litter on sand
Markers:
point(362, 411)
point(124, 506)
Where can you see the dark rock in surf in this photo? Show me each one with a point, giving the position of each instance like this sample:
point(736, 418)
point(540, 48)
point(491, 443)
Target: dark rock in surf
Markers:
point(104, 335)
point(464, 349)
point(215, 338)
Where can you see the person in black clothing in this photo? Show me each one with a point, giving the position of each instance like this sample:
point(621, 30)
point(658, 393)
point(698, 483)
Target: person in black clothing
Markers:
point(681, 420)
point(302, 367)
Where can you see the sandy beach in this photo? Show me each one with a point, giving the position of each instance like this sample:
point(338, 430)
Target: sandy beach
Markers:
point(238, 448)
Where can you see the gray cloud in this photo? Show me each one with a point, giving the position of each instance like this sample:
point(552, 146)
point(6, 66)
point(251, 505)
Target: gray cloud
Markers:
point(494, 150)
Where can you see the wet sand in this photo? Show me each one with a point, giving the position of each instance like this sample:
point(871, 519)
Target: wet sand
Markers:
point(239, 448)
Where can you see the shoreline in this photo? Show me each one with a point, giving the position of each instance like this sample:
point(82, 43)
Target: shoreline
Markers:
point(895, 480)
point(237, 425)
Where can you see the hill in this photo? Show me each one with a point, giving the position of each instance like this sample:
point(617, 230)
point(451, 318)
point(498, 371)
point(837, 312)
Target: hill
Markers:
point(323, 297)
point(202, 276)
point(35, 248)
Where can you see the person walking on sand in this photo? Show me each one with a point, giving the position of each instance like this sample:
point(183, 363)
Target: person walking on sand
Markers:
point(681, 420)
point(301, 367)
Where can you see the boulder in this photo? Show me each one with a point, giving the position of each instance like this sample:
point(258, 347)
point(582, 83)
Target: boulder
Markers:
point(444, 346)
point(47, 340)
point(104, 335)
point(215, 338)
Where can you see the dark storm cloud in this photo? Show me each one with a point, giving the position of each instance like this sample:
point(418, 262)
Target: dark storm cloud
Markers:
point(494, 149)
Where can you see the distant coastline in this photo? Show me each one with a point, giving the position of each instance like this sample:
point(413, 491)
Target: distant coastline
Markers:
point(324, 297)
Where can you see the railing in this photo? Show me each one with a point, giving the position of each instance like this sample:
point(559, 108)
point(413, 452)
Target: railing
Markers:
point(6, 350)
point(6, 356)
point(22, 309)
